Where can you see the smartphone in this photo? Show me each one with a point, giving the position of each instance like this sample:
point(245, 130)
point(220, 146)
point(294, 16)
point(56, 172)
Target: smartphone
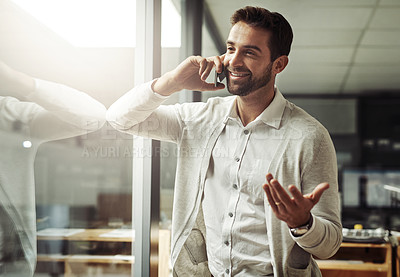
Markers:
point(219, 77)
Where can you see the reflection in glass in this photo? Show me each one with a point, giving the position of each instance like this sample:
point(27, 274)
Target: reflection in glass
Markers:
point(32, 111)
point(82, 192)
point(84, 205)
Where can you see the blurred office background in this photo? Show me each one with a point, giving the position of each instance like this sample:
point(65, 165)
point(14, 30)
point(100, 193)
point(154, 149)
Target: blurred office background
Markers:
point(343, 69)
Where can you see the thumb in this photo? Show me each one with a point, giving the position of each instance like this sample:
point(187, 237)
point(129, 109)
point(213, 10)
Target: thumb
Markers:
point(212, 87)
point(317, 192)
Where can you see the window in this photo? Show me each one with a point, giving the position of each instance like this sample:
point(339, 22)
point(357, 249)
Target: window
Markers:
point(73, 188)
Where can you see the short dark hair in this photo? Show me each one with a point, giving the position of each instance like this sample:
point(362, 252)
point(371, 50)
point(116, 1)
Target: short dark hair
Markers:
point(282, 34)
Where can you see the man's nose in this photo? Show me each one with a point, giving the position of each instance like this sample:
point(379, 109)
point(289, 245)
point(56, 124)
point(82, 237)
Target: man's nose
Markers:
point(236, 60)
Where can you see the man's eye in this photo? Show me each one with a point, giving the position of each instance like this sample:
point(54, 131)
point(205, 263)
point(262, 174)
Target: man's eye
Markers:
point(250, 53)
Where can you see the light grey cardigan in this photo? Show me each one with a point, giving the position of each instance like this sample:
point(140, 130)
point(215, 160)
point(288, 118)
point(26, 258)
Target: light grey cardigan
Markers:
point(305, 157)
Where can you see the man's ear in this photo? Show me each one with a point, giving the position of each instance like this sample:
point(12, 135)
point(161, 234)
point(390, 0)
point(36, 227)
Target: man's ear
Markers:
point(280, 64)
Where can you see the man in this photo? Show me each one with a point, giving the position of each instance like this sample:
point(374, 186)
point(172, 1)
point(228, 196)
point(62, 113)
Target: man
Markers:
point(224, 223)
point(32, 111)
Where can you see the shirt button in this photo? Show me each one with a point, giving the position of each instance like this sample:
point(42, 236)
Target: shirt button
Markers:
point(227, 271)
point(246, 132)
point(226, 243)
point(237, 159)
point(230, 214)
point(235, 186)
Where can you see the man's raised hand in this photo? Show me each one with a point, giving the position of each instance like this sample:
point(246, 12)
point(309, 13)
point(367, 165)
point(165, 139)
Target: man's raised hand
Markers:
point(295, 211)
point(191, 74)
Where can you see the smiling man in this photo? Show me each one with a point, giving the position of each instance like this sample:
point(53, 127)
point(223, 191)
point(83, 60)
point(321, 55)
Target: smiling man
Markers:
point(231, 216)
point(245, 78)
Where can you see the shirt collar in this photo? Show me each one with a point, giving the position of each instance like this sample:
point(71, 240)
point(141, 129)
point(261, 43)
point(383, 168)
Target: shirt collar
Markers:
point(272, 115)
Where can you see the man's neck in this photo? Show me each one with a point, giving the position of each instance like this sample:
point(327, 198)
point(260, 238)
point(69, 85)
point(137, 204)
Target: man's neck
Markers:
point(249, 107)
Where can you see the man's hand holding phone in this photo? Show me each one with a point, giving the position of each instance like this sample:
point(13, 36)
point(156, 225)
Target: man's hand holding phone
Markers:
point(219, 77)
point(191, 74)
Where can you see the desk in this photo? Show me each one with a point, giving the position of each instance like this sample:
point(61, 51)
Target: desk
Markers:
point(359, 260)
point(74, 262)
point(87, 235)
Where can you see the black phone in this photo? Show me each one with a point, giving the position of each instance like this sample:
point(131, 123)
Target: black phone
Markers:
point(219, 77)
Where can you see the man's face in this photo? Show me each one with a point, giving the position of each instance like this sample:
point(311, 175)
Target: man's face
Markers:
point(247, 60)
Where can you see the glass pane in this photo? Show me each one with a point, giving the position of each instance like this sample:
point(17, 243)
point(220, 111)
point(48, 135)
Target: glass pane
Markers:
point(65, 191)
point(208, 49)
point(171, 47)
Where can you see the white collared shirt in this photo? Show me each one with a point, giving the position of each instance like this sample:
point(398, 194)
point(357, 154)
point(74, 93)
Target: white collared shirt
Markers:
point(305, 158)
point(233, 203)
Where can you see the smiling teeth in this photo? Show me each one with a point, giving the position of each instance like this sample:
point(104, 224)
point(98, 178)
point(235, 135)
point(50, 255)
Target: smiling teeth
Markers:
point(238, 74)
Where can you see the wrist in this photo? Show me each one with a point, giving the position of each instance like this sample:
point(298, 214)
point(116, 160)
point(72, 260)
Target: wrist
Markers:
point(301, 230)
point(165, 85)
point(299, 223)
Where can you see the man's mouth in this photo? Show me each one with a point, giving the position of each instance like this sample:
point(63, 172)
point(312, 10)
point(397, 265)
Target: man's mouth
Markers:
point(237, 75)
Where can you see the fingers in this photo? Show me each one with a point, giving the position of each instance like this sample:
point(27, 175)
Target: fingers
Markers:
point(219, 63)
point(269, 177)
point(206, 70)
point(268, 191)
point(317, 192)
point(297, 195)
point(278, 193)
point(203, 66)
point(274, 204)
point(207, 64)
point(295, 211)
point(212, 87)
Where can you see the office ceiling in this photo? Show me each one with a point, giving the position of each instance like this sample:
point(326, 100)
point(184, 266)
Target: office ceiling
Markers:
point(339, 47)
